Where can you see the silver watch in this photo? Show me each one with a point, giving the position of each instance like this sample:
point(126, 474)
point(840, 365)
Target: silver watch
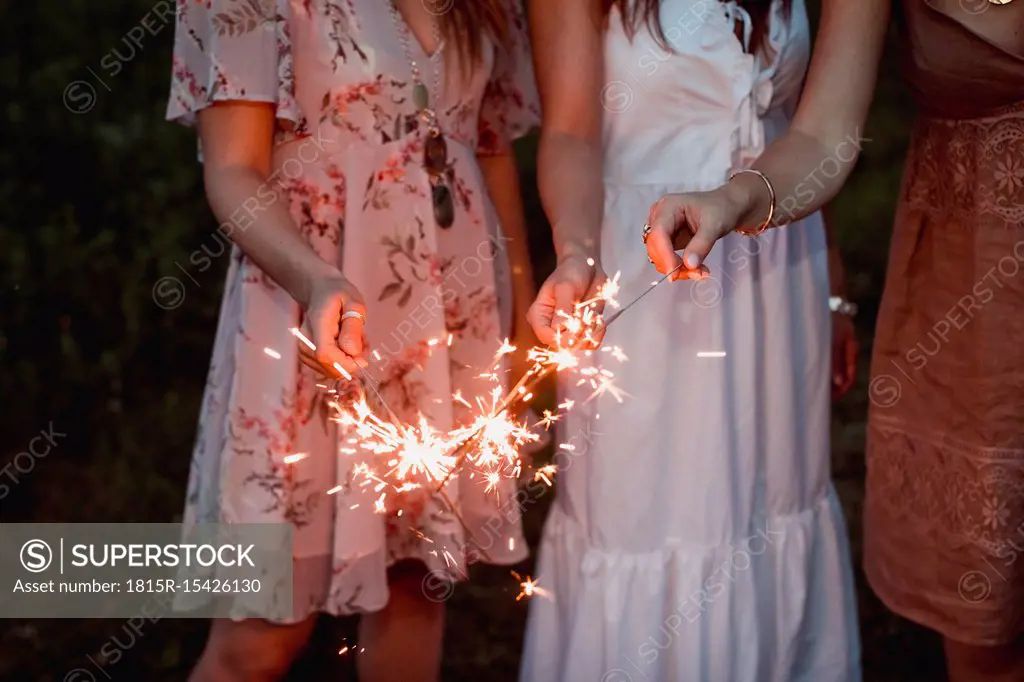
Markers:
point(838, 304)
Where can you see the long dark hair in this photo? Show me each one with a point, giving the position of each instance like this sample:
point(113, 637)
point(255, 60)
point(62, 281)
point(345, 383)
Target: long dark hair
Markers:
point(467, 22)
point(636, 13)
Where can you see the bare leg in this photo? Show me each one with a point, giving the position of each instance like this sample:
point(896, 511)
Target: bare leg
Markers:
point(402, 642)
point(968, 663)
point(251, 651)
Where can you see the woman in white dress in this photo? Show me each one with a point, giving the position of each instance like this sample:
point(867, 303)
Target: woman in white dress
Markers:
point(697, 535)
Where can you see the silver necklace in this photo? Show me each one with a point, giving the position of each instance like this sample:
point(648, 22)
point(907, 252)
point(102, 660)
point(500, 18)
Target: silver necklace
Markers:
point(420, 93)
point(435, 149)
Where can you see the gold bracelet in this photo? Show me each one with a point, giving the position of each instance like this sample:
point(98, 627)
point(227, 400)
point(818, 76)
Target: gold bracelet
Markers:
point(771, 206)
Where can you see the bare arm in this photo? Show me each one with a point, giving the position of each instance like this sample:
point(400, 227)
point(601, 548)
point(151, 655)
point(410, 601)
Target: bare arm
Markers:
point(844, 335)
point(237, 141)
point(568, 61)
point(828, 125)
point(502, 179)
point(802, 163)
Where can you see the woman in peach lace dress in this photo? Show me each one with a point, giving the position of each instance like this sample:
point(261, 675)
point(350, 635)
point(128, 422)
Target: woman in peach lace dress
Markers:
point(944, 514)
point(320, 123)
point(944, 517)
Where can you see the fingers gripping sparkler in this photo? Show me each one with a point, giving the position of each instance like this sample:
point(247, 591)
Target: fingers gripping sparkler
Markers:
point(367, 381)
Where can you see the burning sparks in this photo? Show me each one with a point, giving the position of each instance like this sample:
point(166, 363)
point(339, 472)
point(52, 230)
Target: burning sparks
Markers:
point(309, 344)
point(346, 649)
point(415, 456)
point(545, 473)
point(527, 587)
point(396, 459)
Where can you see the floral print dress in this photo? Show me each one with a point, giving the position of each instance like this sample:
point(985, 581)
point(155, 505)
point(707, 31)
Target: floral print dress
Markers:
point(349, 160)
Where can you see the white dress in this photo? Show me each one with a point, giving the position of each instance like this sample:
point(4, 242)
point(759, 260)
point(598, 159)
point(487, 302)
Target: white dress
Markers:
point(696, 535)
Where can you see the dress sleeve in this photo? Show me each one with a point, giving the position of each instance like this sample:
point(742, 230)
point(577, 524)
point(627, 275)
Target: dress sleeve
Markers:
point(510, 106)
point(231, 50)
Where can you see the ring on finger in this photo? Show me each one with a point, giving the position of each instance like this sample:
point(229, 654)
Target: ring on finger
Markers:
point(353, 313)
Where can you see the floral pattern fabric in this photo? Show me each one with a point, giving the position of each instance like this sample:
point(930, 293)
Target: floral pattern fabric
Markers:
point(970, 170)
point(348, 159)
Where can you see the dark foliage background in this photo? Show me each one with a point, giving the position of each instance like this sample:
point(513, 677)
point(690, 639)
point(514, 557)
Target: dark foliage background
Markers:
point(97, 205)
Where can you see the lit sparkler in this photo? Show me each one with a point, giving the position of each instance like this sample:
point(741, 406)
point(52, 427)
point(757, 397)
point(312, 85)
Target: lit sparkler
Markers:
point(415, 457)
point(527, 587)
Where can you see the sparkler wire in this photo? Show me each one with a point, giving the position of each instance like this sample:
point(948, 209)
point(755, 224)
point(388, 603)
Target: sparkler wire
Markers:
point(642, 294)
point(369, 382)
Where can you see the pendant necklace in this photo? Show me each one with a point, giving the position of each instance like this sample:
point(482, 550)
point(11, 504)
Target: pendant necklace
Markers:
point(435, 149)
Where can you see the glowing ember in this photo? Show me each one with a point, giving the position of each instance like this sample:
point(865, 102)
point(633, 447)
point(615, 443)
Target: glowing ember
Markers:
point(527, 587)
point(545, 473)
point(309, 344)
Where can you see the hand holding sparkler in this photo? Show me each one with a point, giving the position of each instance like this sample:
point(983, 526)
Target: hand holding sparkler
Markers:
point(333, 321)
point(692, 223)
point(575, 279)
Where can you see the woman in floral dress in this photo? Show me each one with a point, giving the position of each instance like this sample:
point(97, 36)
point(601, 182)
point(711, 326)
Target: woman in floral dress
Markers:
point(313, 122)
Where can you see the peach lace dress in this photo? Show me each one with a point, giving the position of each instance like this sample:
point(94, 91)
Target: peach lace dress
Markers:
point(349, 162)
point(944, 517)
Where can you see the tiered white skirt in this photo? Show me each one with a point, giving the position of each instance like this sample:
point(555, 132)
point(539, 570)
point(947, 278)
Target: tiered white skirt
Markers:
point(696, 536)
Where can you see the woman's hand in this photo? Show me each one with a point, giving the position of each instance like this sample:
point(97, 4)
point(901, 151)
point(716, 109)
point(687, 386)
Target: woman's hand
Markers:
point(692, 222)
point(844, 355)
point(844, 337)
point(339, 342)
point(573, 280)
